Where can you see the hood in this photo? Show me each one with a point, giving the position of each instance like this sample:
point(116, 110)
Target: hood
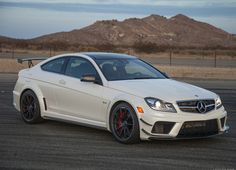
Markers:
point(164, 89)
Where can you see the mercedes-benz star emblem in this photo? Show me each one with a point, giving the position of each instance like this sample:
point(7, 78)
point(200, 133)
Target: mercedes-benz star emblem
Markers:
point(201, 107)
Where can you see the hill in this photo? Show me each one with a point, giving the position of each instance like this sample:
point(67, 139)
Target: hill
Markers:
point(177, 31)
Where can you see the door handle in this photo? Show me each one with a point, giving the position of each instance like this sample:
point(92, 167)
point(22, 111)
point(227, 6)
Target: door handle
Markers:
point(62, 81)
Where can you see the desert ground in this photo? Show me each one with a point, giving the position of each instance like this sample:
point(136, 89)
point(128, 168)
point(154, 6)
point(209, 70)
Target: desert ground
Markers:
point(183, 64)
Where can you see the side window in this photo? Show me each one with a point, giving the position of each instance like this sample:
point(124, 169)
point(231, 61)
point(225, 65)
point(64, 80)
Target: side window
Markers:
point(54, 65)
point(77, 67)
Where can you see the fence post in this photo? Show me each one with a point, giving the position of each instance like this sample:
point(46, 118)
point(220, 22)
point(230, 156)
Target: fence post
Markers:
point(12, 53)
point(170, 57)
point(215, 57)
point(50, 52)
point(129, 53)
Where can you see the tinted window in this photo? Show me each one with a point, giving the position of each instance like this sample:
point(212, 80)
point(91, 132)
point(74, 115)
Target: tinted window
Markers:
point(77, 67)
point(127, 69)
point(54, 65)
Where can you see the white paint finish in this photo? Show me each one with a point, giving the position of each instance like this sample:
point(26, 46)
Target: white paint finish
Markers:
point(164, 89)
point(81, 99)
point(72, 100)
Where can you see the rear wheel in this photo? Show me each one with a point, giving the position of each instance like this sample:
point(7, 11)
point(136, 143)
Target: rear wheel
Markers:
point(30, 109)
point(124, 124)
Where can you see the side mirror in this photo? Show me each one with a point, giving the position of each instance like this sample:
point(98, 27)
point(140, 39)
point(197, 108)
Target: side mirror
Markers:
point(88, 78)
point(91, 78)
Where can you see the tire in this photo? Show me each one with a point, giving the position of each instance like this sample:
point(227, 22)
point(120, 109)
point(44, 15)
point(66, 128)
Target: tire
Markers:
point(124, 124)
point(30, 108)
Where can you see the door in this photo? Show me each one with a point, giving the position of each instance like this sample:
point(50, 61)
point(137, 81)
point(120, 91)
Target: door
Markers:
point(48, 82)
point(81, 99)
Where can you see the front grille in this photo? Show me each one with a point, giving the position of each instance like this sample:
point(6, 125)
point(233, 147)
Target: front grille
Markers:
point(198, 129)
point(193, 106)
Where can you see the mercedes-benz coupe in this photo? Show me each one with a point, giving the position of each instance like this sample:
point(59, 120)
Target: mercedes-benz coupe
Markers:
point(117, 92)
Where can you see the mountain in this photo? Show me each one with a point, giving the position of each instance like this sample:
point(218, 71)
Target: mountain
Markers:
point(6, 39)
point(179, 30)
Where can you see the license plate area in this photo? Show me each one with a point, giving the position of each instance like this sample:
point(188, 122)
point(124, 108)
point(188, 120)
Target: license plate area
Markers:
point(197, 124)
point(198, 128)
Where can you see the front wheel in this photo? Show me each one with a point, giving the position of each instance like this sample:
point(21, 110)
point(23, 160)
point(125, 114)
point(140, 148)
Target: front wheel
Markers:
point(30, 109)
point(124, 124)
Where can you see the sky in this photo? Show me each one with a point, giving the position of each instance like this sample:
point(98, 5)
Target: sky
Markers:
point(32, 18)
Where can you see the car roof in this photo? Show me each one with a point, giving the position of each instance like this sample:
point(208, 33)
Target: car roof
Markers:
point(103, 55)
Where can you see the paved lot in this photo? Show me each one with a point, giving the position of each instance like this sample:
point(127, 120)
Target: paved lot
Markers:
point(55, 145)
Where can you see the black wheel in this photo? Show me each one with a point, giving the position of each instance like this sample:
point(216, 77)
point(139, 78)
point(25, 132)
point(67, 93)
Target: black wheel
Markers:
point(30, 110)
point(124, 124)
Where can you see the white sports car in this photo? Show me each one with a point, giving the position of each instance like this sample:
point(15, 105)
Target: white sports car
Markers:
point(120, 93)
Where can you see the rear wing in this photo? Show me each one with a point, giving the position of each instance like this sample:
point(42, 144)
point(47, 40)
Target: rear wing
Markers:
point(29, 60)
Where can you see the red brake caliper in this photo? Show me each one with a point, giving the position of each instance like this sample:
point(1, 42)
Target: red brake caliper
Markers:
point(119, 121)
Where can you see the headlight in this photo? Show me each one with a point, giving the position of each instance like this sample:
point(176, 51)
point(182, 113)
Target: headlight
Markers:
point(159, 105)
point(218, 103)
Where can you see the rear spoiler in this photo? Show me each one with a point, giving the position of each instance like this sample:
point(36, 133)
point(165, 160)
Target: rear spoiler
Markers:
point(29, 60)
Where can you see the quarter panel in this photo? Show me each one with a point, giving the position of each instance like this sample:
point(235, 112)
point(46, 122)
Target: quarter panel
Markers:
point(29, 84)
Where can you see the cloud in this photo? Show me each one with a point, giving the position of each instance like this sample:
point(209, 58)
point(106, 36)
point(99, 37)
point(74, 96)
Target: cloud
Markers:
point(38, 17)
point(180, 3)
point(166, 10)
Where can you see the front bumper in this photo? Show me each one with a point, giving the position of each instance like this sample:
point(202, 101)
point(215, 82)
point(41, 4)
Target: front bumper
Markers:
point(161, 125)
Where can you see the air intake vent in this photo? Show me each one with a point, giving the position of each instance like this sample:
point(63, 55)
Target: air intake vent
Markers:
point(222, 121)
point(198, 129)
point(162, 127)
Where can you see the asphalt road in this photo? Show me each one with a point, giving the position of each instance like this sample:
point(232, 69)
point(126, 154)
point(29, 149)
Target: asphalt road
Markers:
point(55, 145)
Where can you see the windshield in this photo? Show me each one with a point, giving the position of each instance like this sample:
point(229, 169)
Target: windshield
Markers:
point(127, 69)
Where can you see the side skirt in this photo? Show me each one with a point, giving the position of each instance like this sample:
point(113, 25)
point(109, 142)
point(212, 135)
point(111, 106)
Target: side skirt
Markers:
point(74, 122)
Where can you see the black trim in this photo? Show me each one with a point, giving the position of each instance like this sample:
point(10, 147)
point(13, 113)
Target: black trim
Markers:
point(146, 132)
point(145, 122)
point(98, 77)
point(157, 136)
point(45, 103)
point(198, 129)
point(162, 127)
point(219, 106)
point(135, 58)
point(164, 74)
point(61, 71)
point(74, 122)
point(222, 122)
point(163, 137)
